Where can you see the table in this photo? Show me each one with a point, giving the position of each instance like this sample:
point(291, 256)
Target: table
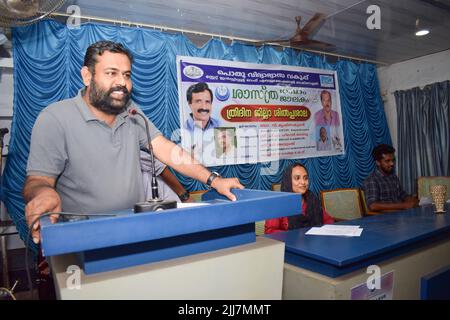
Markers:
point(412, 243)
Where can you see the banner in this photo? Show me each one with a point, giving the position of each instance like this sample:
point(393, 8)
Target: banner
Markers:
point(235, 113)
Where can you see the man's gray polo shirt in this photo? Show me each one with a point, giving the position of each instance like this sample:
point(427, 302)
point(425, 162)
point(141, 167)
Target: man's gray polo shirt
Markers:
point(97, 167)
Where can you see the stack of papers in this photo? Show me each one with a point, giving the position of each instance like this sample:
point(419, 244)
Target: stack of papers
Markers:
point(335, 230)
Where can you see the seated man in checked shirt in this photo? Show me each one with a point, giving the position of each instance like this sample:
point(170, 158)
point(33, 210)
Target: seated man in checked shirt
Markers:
point(382, 188)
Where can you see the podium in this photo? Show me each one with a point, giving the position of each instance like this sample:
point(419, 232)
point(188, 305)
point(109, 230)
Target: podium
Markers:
point(176, 242)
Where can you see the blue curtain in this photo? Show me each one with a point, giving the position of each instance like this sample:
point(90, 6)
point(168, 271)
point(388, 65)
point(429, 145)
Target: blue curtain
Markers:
point(48, 57)
point(423, 124)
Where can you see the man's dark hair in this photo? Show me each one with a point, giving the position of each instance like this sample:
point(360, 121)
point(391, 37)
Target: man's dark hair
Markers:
point(197, 88)
point(98, 48)
point(378, 151)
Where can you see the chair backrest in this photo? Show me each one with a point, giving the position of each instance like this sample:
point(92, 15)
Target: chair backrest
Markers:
point(342, 204)
point(424, 183)
point(276, 187)
point(259, 227)
point(363, 202)
point(196, 196)
point(365, 209)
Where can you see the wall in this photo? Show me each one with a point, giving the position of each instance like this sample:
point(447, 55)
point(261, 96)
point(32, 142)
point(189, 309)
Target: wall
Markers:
point(6, 111)
point(409, 74)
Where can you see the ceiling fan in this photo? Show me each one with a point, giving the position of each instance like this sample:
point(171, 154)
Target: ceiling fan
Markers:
point(302, 36)
point(23, 12)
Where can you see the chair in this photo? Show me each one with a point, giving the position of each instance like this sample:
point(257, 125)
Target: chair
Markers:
point(259, 227)
point(342, 204)
point(196, 196)
point(366, 210)
point(276, 187)
point(424, 184)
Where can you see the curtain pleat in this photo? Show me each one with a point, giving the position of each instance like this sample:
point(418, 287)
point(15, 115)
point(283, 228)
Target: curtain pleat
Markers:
point(423, 117)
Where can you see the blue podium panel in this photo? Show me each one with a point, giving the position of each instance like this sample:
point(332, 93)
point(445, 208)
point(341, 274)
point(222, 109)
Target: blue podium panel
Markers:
point(118, 257)
point(384, 236)
point(436, 286)
point(128, 239)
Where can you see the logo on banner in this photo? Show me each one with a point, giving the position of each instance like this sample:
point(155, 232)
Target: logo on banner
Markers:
point(326, 81)
point(222, 93)
point(193, 72)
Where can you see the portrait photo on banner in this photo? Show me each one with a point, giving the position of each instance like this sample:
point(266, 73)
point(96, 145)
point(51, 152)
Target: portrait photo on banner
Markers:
point(225, 142)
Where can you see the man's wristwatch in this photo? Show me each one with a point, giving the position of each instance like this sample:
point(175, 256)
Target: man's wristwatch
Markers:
point(184, 196)
point(212, 177)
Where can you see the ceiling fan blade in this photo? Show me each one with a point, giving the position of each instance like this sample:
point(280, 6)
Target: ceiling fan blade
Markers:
point(314, 24)
point(301, 38)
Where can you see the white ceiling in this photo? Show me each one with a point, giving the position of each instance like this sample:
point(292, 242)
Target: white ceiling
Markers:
point(265, 19)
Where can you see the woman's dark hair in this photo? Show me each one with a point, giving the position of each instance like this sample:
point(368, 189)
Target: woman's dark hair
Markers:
point(313, 215)
point(197, 88)
point(98, 48)
point(286, 181)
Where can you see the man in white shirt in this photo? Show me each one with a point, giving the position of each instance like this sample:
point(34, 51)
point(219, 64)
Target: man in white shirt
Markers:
point(225, 144)
point(324, 143)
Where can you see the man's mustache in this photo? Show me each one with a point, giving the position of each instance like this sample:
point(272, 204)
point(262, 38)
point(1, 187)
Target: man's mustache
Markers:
point(123, 89)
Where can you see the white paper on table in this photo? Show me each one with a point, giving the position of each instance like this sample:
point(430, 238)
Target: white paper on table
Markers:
point(340, 226)
point(336, 230)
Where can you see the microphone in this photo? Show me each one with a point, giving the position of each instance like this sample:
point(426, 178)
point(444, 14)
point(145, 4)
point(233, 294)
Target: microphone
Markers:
point(154, 183)
point(155, 203)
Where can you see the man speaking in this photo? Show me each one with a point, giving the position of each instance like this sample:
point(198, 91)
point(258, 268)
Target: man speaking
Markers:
point(84, 152)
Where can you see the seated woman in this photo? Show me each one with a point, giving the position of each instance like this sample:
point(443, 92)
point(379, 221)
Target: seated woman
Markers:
point(295, 179)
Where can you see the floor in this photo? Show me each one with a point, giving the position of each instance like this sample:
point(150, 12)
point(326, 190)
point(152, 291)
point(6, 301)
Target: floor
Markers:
point(18, 276)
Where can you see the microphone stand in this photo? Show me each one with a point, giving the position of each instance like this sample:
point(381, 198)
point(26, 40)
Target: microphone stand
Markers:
point(155, 203)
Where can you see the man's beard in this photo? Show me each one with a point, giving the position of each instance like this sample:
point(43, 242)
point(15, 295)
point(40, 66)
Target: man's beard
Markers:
point(103, 101)
point(387, 171)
